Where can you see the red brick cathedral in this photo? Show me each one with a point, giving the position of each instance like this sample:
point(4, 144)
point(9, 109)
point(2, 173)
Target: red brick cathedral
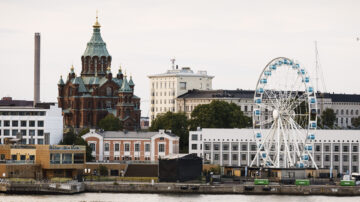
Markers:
point(88, 98)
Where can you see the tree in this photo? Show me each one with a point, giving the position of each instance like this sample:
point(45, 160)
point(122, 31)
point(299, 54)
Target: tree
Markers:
point(356, 122)
point(328, 118)
point(219, 114)
point(103, 171)
point(71, 138)
point(110, 123)
point(177, 123)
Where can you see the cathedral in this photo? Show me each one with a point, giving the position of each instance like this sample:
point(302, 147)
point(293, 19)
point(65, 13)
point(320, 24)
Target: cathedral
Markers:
point(88, 98)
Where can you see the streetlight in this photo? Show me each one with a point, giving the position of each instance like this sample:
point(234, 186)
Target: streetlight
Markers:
point(87, 171)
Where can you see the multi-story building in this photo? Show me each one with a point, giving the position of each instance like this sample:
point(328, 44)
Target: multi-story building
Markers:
point(41, 161)
point(166, 87)
point(88, 98)
point(337, 149)
point(131, 146)
point(20, 120)
point(346, 106)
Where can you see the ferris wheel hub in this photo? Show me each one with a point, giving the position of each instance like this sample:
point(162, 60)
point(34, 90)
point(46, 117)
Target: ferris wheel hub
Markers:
point(275, 114)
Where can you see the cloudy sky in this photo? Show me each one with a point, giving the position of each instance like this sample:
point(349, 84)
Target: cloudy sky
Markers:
point(232, 40)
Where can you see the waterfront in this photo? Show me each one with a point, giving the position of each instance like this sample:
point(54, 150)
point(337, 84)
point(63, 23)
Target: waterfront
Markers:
point(172, 197)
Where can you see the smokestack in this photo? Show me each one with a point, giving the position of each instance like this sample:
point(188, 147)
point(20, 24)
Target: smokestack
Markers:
point(37, 69)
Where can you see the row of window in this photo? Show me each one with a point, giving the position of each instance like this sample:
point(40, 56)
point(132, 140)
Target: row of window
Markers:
point(127, 147)
point(8, 123)
point(28, 141)
point(166, 109)
point(347, 112)
point(165, 93)
point(14, 132)
point(170, 101)
point(11, 113)
point(163, 84)
point(66, 158)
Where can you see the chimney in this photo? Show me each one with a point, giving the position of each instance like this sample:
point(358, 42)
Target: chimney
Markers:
point(37, 69)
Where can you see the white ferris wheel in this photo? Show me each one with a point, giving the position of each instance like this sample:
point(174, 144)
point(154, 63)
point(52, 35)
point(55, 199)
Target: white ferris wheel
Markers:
point(284, 116)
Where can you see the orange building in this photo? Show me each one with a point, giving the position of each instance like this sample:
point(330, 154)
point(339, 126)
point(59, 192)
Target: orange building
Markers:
point(41, 161)
point(131, 146)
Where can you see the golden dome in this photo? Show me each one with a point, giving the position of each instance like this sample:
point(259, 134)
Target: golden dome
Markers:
point(97, 24)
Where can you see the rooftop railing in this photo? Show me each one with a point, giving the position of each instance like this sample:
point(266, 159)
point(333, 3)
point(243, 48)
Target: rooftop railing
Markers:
point(67, 147)
point(19, 161)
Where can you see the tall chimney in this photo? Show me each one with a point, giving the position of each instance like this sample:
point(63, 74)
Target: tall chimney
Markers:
point(37, 69)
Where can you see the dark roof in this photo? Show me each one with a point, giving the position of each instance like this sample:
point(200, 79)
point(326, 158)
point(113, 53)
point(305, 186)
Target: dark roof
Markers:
point(337, 97)
point(24, 103)
point(218, 94)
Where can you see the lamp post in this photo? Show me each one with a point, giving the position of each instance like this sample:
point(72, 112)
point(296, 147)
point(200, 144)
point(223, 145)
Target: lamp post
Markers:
point(87, 171)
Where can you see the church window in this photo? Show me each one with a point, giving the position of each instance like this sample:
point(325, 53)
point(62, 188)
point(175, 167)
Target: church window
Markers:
point(108, 91)
point(108, 104)
point(127, 112)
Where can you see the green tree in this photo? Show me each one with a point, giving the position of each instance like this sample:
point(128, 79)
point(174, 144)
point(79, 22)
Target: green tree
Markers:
point(356, 122)
point(110, 123)
point(328, 118)
point(103, 171)
point(177, 123)
point(71, 138)
point(219, 114)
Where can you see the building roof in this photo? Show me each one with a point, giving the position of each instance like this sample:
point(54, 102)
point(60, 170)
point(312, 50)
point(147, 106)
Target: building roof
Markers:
point(185, 71)
point(96, 46)
point(9, 102)
point(218, 94)
point(130, 134)
point(337, 97)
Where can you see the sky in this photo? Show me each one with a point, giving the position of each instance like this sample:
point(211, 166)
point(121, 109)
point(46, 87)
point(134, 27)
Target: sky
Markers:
point(232, 40)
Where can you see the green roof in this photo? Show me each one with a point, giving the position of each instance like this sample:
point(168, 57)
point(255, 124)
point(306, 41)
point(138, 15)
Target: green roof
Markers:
point(125, 86)
point(96, 46)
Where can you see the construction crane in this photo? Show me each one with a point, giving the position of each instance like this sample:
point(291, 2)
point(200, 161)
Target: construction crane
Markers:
point(319, 72)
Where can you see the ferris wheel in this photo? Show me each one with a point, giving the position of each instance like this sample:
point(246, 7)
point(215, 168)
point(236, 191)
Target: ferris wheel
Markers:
point(284, 116)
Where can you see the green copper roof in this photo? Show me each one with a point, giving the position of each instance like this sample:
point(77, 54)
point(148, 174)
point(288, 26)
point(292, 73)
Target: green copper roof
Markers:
point(96, 46)
point(131, 83)
point(61, 82)
point(125, 86)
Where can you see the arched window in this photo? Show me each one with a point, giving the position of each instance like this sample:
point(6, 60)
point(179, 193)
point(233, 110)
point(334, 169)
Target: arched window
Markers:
point(347, 112)
point(352, 112)
point(93, 147)
point(342, 112)
point(108, 91)
point(357, 112)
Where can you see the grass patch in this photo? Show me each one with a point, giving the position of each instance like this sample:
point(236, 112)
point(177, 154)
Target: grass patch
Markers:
point(60, 180)
point(22, 180)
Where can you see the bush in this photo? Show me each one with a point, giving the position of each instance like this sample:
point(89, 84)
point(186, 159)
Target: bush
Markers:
point(103, 171)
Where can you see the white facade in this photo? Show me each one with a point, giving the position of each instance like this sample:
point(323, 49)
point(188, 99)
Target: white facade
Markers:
point(32, 123)
point(337, 149)
point(165, 88)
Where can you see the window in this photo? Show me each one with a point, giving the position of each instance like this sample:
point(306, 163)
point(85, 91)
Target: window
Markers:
point(345, 148)
point(345, 168)
point(354, 169)
point(355, 158)
point(194, 137)
point(225, 157)
point(194, 146)
point(182, 85)
point(22, 157)
point(147, 147)
point(207, 146)
point(108, 91)
point(107, 147)
point(7, 123)
point(31, 123)
point(78, 158)
point(137, 147)
point(14, 132)
point(243, 147)
point(252, 156)
point(15, 123)
point(40, 132)
point(318, 158)
point(216, 147)
point(23, 132)
point(31, 132)
point(32, 157)
point(235, 147)
point(66, 158)
point(327, 158)
point(336, 148)
point(117, 147)
point(40, 141)
point(327, 148)
point(345, 158)
point(243, 157)
point(234, 157)
point(253, 147)
point(92, 146)
point(127, 147)
point(40, 123)
point(336, 158)
point(161, 147)
point(23, 123)
point(55, 158)
point(216, 157)
point(225, 147)
point(355, 148)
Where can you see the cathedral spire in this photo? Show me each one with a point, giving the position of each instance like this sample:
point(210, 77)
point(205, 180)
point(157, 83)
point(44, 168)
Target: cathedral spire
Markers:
point(97, 24)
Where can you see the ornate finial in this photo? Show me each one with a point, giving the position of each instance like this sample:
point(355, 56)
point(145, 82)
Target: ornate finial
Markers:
point(97, 24)
point(108, 68)
point(72, 69)
point(125, 73)
point(119, 68)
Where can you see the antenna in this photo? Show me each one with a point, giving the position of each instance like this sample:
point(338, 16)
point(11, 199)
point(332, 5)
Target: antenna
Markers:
point(319, 71)
point(173, 62)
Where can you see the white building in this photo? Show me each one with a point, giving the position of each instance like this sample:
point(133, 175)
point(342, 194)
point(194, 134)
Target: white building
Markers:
point(131, 146)
point(166, 87)
point(337, 149)
point(20, 120)
point(346, 106)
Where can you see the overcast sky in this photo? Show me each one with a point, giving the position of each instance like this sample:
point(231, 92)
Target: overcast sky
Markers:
point(232, 40)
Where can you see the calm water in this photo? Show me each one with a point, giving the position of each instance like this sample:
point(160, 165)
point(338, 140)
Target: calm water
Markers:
point(171, 198)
